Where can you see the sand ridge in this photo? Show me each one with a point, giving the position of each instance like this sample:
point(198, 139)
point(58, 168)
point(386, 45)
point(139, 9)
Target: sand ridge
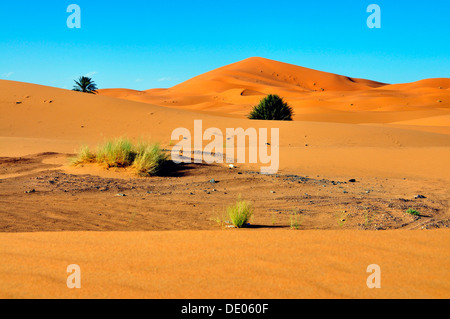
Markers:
point(315, 95)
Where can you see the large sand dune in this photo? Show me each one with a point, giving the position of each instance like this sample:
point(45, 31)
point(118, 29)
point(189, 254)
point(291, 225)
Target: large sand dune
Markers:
point(316, 96)
point(394, 139)
point(41, 119)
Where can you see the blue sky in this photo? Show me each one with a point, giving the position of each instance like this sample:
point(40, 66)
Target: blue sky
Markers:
point(149, 44)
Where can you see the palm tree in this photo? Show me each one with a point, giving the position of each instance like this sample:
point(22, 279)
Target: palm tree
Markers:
point(85, 84)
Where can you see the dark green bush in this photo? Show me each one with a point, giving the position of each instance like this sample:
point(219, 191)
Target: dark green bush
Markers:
point(272, 107)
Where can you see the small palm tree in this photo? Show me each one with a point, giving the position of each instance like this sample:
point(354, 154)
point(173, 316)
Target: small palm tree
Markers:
point(272, 107)
point(85, 84)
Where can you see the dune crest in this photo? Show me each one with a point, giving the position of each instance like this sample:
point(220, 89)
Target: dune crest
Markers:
point(318, 96)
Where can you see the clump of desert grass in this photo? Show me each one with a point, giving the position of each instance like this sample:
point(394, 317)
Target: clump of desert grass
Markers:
point(84, 156)
point(240, 213)
point(145, 159)
point(149, 160)
point(295, 220)
point(413, 212)
point(116, 153)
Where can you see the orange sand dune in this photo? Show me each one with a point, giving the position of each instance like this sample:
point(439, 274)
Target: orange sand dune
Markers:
point(232, 90)
point(443, 120)
point(226, 264)
point(41, 119)
point(352, 128)
point(438, 83)
point(259, 72)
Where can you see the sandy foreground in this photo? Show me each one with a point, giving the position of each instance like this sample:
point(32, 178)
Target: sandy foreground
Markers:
point(162, 241)
point(226, 264)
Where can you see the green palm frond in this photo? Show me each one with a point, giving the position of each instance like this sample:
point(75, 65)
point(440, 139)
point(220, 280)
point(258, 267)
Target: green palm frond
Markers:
point(85, 84)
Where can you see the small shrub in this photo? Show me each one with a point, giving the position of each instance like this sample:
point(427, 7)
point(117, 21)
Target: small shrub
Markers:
point(149, 160)
point(295, 220)
point(84, 156)
point(413, 212)
point(146, 159)
point(116, 153)
point(272, 107)
point(240, 213)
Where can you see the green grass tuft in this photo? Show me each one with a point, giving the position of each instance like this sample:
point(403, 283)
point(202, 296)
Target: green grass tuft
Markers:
point(146, 159)
point(116, 153)
point(295, 220)
point(84, 156)
point(149, 160)
point(240, 213)
point(413, 212)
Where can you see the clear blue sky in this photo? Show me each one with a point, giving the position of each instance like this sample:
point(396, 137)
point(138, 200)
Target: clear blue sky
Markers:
point(148, 44)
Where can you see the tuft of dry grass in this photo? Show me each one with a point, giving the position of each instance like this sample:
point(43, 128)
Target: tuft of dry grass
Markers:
point(295, 220)
point(146, 159)
point(84, 156)
point(116, 153)
point(240, 213)
point(149, 160)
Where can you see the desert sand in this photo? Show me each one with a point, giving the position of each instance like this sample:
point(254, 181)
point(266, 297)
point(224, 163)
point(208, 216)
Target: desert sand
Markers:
point(206, 264)
point(393, 139)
